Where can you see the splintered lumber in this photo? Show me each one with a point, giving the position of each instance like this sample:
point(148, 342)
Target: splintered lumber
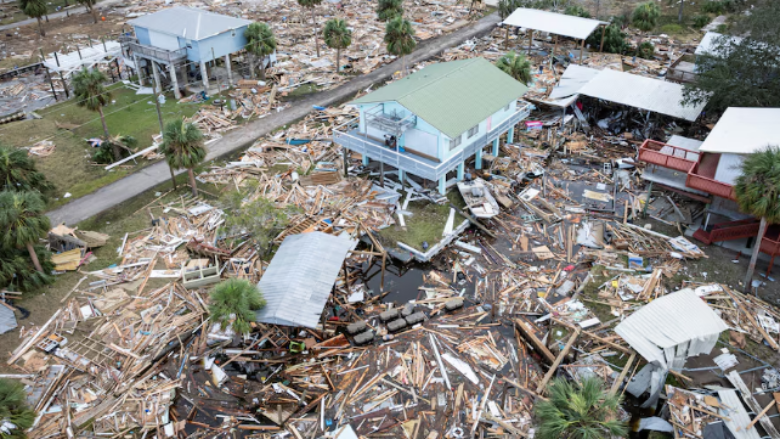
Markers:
point(528, 333)
point(623, 373)
point(736, 380)
point(558, 361)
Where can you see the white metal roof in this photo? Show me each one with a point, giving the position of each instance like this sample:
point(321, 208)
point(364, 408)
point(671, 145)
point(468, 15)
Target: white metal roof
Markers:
point(669, 321)
point(300, 277)
point(707, 45)
point(573, 79)
point(744, 131)
point(189, 23)
point(98, 53)
point(552, 22)
point(640, 92)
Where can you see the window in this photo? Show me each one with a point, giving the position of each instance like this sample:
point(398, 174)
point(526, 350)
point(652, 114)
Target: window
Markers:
point(473, 131)
point(454, 143)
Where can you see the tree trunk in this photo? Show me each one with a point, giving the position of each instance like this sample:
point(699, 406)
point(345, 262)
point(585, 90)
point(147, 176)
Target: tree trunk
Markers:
point(403, 64)
point(115, 147)
point(338, 60)
point(251, 65)
point(506, 39)
point(47, 17)
point(34, 257)
point(173, 176)
point(314, 24)
point(94, 13)
point(262, 68)
point(680, 14)
point(192, 182)
point(754, 258)
point(40, 27)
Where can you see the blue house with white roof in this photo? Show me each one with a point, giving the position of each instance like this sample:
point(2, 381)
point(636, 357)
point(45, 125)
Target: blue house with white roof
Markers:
point(175, 36)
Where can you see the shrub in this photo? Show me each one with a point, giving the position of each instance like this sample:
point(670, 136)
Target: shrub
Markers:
point(700, 21)
point(646, 50)
point(645, 16)
point(577, 11)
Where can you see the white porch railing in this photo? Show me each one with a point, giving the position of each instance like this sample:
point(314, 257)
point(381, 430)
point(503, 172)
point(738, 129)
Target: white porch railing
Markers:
point(348, 136)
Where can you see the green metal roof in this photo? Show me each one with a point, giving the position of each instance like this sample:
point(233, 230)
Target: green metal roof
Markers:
point(452, 96)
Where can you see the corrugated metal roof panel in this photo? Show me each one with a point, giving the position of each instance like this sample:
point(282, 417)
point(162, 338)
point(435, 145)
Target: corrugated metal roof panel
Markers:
point(744, 131)
point(667, 322)
point(708, 46)
point(7, 320)
point(299, 279)
point(552, 22)
point(640, 92)
point(189, 23)
point(452, 96)
point(738, 417)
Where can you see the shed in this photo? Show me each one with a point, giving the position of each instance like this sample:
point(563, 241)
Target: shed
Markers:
point(640, 92)
point(299, 280)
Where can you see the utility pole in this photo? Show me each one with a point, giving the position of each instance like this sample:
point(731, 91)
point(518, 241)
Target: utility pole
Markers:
point(157, 94)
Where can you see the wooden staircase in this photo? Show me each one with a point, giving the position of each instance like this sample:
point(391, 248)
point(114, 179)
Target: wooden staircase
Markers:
point(728, 231)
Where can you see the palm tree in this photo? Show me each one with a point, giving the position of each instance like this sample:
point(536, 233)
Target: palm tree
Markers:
point(386, 10)
point(399, 37)
point(337, 36)
point(645, 16)
point(516, 66)
point(261, 42)
point(311, 4)
point(16, 274)
point(579, 411)
point(18, 173)
point(183, 148)
point(35, 9)
point(23, 222)
point(14, 409)
point(757, 191)
point(235, 301)
point(89, 93)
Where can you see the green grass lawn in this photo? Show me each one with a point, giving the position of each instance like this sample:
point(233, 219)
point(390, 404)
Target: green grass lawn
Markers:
point(70, 167)
point(426, 223)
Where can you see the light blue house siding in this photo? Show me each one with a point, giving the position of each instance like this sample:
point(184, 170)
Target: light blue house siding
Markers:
point(207, 49)
point(423, 137)
point(143, 36)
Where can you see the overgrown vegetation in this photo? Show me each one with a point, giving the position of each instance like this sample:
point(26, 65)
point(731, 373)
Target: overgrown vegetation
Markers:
point(258, 217)
point(741, 72)
point(577, 11)
point(387, 10)
point(614, 39)
point(234, 302)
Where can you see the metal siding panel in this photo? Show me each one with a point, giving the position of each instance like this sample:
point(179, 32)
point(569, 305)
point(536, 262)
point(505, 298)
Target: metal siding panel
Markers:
point(640, 92)
point(299, 279)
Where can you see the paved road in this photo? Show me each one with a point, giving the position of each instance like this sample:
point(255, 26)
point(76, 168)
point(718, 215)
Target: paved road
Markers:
point(73, 11)
point(149, 177)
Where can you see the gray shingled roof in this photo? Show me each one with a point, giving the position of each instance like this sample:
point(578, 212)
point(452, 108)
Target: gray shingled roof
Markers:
point(298, 282)
point(190, 23)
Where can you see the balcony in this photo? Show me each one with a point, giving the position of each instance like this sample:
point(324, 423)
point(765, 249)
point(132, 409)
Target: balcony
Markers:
point(668, 156)
point(348, 136)
point(390, 123)
point(702, 177)
point(155, 53)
